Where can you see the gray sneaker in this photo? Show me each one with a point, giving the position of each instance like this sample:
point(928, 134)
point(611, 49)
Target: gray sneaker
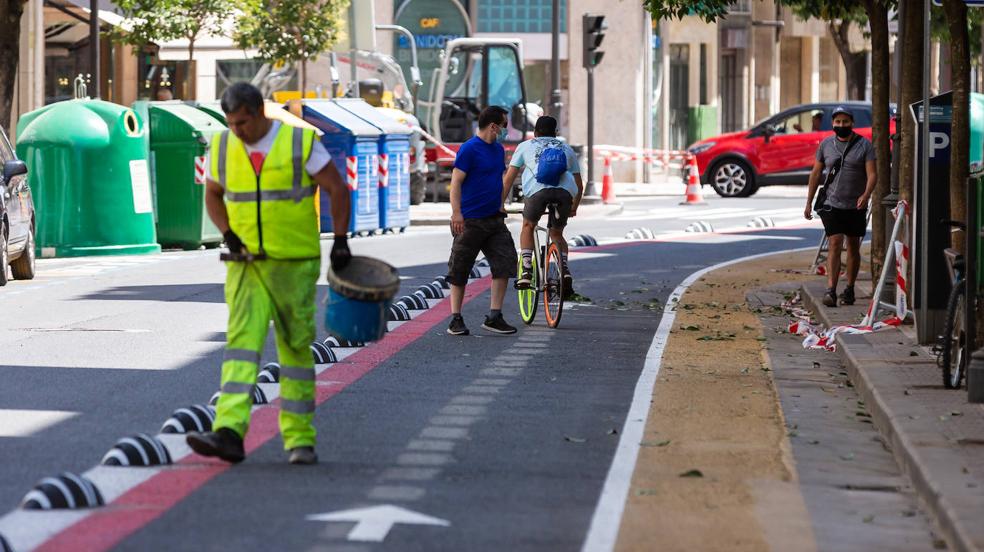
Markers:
point(303, 456)
point(497, 324)
point(457, 326)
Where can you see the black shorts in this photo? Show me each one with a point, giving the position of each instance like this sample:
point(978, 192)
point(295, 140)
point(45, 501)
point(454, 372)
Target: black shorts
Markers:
point(490, 236)
point(849, 222)
point(536, 205)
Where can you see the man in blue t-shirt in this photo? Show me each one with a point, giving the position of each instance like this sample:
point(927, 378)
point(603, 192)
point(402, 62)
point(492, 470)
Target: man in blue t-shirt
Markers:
point(478, 219)
point(565, 192)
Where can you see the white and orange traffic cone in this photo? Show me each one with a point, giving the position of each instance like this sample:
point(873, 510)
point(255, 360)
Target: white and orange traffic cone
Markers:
point(694, 196)
point(607, 183)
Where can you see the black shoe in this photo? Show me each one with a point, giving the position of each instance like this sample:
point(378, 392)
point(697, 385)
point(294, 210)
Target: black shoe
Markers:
point(224, 443)
point(525, 280)
point(847, 296)
point(457, 326)
point(498, 325)
point(568, 282)
point(303, 456)
point(830, 297)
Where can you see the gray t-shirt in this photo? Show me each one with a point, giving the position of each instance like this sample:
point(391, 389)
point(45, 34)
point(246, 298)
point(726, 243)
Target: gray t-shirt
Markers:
point(850, 183)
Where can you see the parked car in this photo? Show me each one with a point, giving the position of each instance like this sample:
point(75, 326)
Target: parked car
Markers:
point(17, 222)
point(780, 149)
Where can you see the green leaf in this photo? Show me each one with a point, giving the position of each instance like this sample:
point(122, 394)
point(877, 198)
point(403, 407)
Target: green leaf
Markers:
point(692, 473)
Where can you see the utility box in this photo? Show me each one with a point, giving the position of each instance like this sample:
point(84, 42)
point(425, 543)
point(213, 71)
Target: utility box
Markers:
point(353, 146)
point(178, 141)
point(90, 177)
point(394, 164)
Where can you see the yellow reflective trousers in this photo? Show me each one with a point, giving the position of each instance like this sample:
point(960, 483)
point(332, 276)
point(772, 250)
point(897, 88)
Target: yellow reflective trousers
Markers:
point(256, 292)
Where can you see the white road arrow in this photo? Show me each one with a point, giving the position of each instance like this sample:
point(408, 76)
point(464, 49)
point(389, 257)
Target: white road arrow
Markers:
point(375, 522)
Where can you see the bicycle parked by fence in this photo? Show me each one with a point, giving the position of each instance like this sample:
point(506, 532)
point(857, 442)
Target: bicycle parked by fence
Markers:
point(952, 349)
point(547, 280)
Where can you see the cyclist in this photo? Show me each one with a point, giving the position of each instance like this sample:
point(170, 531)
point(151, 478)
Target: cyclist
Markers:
point(551, 174)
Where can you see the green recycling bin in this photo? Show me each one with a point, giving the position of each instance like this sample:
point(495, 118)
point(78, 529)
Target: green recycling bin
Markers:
point(178, 140)
point(213, 109)
point(90, 178)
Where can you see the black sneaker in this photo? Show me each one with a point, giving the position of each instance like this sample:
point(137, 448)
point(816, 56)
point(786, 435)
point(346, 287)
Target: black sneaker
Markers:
point(568, 282)
point(457, 326)
point(224, 443)
point(847, 296)
point(525, 280)
point(498, 325)
point(830, 297)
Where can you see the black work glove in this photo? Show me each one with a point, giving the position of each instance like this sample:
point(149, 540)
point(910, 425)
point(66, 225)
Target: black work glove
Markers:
point(233, 242)
point(340, 254)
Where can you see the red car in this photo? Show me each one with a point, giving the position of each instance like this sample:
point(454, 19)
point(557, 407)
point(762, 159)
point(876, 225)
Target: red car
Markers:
point(778, 150)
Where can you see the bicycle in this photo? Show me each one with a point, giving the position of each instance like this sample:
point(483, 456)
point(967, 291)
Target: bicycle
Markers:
point(546, 261)
point(952, 346)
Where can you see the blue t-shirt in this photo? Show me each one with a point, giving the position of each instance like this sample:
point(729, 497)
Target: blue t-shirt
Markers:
point(527, 157)
point(483, 165)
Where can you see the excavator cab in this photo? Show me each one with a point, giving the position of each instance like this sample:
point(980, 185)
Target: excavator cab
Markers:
point(476, 73)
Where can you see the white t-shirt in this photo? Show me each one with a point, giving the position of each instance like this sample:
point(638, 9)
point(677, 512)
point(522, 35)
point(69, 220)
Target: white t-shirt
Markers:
point(527, 157)
point(318, 160)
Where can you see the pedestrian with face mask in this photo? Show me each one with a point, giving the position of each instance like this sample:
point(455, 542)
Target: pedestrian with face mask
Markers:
point(478, 195)
point(846, 163)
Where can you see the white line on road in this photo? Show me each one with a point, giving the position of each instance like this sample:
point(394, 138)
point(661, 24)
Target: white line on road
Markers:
point(24, 423)
point(607, 518)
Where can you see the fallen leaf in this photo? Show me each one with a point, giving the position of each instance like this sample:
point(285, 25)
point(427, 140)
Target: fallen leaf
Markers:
point(613, 431)
point(646, 492)
point(654, 443)
point(868, 519)
point(570, 439)
point(692, 473)
point(691, 328)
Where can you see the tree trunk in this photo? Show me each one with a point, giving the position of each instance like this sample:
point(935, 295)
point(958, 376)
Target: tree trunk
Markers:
point(303, 77)
point(880, 75)
point(854, 62)
point(912, 53)
point(956, 20)
point(10, 16)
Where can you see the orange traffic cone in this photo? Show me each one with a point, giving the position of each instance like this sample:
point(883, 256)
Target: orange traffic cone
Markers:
point(607, 183)
point(693, 185)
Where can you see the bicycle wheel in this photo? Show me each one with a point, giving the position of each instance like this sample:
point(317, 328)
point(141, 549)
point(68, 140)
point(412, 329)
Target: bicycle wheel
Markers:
point(954, 356)
point(553, 287)
point(528, 298)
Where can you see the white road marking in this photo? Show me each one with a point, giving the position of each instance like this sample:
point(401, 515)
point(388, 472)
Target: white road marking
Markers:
point(491, 389)
point(114, 481)
point(374, 523)
point(28, 529)
point(464, 409)
point(409, 474)
point(423, 459)
point(388, 492)
point(500, 371)
point(427, 445)
point(444, 432)
point(486, 381)
point(607, 518)
point(24, 423)
point(472, 399)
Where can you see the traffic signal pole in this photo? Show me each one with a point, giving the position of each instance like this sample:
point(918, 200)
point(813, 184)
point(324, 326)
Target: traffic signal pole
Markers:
point(593, 33)
point(555, 104)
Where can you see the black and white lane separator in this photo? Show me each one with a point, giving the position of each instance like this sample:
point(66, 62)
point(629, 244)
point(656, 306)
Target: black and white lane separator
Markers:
point(582, 240)
point(4, 545)
point(269, 374)
point(761, 222)
point(137, 450)
point(66, 491)
point(433, 290)
point(334, 341)
point(699, 226)
point(640, 234)
point(259, 396)
point(322, 353)
point(413, 302)
point(198, 417)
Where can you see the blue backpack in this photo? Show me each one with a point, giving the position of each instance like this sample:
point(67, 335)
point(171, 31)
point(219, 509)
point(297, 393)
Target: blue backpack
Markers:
point(551, 166)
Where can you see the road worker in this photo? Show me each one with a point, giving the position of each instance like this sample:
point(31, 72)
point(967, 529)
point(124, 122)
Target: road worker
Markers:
point(260, 193)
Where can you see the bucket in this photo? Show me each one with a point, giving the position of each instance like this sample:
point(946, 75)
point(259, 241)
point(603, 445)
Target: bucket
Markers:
point(358, 297)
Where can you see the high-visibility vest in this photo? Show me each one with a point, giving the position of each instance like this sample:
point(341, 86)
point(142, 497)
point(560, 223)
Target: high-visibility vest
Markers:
point(291, 229)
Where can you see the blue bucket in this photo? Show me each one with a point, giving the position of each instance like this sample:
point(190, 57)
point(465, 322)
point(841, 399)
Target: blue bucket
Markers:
point(358, 297)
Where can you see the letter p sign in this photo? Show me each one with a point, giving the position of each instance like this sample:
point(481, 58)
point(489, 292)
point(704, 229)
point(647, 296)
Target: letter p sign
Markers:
point(938, 141)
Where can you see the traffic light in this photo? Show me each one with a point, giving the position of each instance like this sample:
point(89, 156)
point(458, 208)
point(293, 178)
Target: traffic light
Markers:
point(594, 28)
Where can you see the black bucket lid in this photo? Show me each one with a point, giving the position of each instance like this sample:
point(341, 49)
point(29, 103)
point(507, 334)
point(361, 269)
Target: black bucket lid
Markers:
point(365, 279)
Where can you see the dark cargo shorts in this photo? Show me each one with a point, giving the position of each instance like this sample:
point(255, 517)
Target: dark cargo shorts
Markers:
point(490, 236)
point(536, 205)
point(850, 222)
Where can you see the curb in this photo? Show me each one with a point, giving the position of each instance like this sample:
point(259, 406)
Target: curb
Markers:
point(913, 441)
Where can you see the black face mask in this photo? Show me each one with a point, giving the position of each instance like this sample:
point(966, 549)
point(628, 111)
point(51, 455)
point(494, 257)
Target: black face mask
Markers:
point(843, 131)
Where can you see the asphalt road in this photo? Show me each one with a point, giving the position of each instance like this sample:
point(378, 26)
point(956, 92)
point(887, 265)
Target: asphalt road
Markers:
point(504, 441)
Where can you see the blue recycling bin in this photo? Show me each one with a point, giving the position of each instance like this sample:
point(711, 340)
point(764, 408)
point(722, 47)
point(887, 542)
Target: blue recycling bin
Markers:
point(394, 155)
point(353, 146)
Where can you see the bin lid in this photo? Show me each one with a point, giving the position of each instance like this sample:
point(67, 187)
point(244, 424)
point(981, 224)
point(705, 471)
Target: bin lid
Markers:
point(332, 119)
point(172, 122)
point(274, 110)
point(366, 112)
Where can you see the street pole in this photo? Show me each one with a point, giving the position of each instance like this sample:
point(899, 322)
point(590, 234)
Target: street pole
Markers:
point(555, 103)
point(94, 91)
point(590, 187)
point(919, 248)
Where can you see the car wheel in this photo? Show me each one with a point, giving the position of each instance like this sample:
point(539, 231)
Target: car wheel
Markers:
point(733, 178)
point(23, 267)
point(4, 255)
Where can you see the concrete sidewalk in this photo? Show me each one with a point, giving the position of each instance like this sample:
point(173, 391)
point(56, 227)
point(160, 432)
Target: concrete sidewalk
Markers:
point(935, 434)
